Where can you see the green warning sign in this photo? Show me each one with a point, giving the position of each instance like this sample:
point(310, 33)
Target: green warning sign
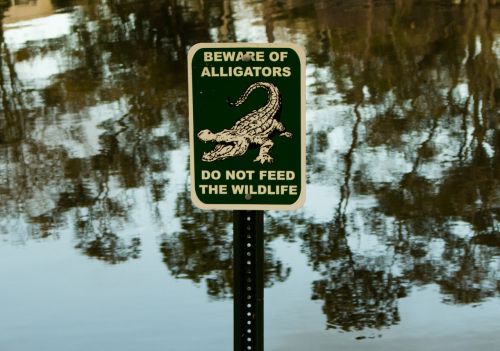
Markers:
point(247, 126)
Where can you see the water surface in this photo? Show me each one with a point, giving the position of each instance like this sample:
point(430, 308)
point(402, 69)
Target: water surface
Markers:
point(396, 248)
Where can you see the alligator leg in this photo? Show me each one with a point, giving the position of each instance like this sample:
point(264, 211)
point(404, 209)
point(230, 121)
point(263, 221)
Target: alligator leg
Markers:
point(281, 128)
point(265, 145)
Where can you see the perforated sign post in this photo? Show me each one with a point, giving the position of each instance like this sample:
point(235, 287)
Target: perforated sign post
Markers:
point(247, 141)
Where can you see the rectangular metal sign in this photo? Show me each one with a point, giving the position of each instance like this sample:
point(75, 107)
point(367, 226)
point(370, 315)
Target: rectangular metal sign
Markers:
point(247, 126)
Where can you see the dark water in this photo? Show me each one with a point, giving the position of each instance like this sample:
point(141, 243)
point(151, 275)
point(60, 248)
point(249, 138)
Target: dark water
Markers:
point(397, 247)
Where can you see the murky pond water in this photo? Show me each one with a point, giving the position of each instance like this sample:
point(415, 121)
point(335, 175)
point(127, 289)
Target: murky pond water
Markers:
point(397, 247)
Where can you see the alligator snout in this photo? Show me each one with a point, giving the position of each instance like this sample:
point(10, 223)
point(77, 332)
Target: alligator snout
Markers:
point(206, 157)
point(206, 135)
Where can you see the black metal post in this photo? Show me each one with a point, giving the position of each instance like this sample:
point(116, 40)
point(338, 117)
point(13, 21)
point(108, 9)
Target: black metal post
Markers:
point(248, 270)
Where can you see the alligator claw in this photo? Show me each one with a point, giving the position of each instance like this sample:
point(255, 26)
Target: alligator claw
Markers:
point(263, 159)
point(286, 134)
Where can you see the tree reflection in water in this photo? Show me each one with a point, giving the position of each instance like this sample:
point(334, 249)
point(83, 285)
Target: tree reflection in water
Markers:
point(406, 70)
point(404, 129)
point(203, 250)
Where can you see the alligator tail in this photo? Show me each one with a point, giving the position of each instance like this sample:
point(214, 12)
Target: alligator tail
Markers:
point(268, 86)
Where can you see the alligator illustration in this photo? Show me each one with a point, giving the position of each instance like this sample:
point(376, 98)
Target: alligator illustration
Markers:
point(254, 128)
